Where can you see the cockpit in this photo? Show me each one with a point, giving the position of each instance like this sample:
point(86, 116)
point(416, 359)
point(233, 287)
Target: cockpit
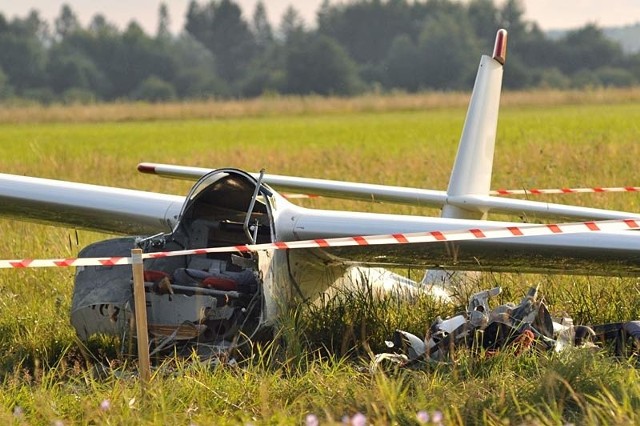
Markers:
point(201, 300)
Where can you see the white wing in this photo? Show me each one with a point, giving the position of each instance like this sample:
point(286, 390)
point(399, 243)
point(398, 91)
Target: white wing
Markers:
point(405, 195)
point(113, 210)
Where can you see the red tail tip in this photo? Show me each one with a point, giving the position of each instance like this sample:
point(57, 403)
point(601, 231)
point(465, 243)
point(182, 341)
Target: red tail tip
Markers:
point(146, 168)
point(500, 48)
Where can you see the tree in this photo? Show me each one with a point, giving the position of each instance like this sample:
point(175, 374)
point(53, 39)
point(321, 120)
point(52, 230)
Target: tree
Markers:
point(72, 69)
point(403, 44)
point(220, 27)
point(553, 78)
point(589, 48)
point(447, 49)
point(484, 19)
point(536, 50)
point(632, 64)
point(101, 44)
point(291, 24)
point(23, 55)
point(262, 31)
point(196, 76)
point(197, 22)
point(585, 79)
point(143, 56)
point(5, 89)
point(99, 24)
point(164, 22)
point(318, 64)
point(154, 89)
point(323, 15)
point(366, 28)
point(511, 18)
point(66, 23)
point(402, 71)
point(4, 25)
point(265, 73)
point(615, 77)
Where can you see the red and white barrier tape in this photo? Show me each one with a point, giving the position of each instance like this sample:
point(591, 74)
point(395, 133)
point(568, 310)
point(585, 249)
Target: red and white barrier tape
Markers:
point(49, 263)
point(505, 192)
point(564, 190)
point(291, 196)
point(408, 238)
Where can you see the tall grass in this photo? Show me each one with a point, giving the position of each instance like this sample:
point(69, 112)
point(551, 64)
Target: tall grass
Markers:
point(320, 360)
point(270, 106)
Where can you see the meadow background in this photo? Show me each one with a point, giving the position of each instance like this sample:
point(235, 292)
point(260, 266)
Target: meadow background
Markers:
point(319, 362)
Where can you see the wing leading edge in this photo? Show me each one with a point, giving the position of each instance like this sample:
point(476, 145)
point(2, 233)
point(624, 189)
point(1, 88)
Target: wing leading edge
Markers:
point(94, 207)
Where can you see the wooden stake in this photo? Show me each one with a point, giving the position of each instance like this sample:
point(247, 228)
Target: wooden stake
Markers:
point(141, 315)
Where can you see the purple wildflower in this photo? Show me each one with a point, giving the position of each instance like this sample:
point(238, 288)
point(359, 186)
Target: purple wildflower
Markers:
point(105, 405)
point(359, 419)
point(437, 417)
point(423, 417)
point(311, 420)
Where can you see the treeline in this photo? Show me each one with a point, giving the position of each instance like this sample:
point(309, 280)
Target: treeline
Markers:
point(364, 45)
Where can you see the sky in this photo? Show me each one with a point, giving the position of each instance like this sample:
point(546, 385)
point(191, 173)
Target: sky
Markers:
point(549, 14)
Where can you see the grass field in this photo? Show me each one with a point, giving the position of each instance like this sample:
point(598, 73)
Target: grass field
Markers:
point(544, 140)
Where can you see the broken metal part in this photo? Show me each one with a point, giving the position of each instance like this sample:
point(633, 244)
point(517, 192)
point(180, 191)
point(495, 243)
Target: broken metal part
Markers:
point(522, 325)
point(619, 336)
point(583, 335)
point(409, 344)
point(480, 301)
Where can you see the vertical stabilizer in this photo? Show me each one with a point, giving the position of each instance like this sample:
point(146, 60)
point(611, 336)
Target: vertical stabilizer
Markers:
point(471, 173)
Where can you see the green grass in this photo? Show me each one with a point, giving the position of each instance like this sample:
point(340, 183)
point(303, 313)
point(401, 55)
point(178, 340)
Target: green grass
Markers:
point(319, 362)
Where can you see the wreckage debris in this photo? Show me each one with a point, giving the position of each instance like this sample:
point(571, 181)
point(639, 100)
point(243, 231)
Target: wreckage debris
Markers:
point(520, 327)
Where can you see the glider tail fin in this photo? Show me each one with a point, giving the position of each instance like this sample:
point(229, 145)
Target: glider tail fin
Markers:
point(473, 165)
